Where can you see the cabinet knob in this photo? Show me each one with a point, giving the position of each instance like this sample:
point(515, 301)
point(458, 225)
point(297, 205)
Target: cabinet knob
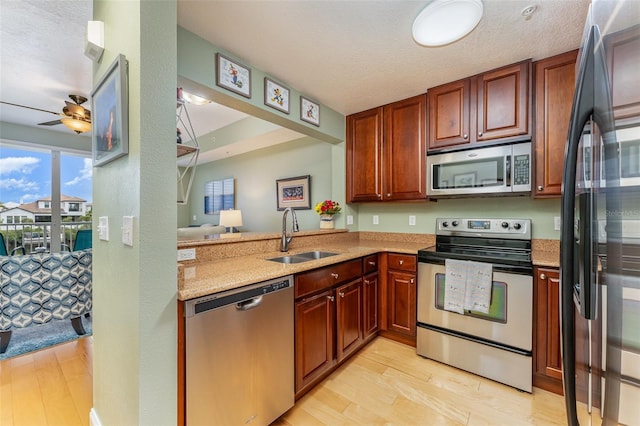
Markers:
point(331, 298)
point(479, 133)
point(411, 281)
point(543, 276)
point(341, 294)
point(388, 194)
point(401, 262)
point(379, 195)
point(465, 136)
point(540, 187)
point(372, 263)
point(367, 282)
point(334, 275)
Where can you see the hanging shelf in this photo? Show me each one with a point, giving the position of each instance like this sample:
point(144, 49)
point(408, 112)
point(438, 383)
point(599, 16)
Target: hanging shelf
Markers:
point(188, 150)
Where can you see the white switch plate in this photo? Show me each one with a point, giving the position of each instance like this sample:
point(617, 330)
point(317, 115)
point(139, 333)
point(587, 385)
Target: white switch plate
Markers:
point(376, 219)
point(195, 217)
point(349, 220)
point(187, 254)
point(103, 228)
point(412, 220)
point(556, 223)
point(127, 230)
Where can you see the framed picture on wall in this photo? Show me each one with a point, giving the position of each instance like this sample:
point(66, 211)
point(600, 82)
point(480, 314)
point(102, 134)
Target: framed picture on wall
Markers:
point(309, 111)
point(276, 95)
point(233, 76)
point(294, 192)
point(110, 116)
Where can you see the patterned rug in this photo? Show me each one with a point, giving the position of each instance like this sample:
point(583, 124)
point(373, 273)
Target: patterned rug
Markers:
point(38, 337)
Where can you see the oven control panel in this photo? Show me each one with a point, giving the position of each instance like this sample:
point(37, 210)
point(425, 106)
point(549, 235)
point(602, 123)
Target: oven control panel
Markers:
point(498, 228)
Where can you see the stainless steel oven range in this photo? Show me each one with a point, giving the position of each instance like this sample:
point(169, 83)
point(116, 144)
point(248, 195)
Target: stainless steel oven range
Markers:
point(496, 340)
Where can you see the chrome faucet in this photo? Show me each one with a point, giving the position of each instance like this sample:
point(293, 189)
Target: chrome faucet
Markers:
point(286, 240)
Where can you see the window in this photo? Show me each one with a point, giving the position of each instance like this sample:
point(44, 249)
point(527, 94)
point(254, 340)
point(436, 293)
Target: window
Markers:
point(74, 207)
point(46, 205)
point(219, 195)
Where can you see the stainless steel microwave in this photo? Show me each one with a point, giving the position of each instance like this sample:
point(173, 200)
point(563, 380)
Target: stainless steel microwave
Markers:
point(495, 170)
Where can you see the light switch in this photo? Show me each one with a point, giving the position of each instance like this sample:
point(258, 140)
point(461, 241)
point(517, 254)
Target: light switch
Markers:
point(103, 228)
point(127, 230)
point(349, 220)
point(556, 223)
point(412, 220)
point(376, 219)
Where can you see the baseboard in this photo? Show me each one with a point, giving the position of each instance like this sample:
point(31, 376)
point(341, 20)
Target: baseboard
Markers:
point(94, 420)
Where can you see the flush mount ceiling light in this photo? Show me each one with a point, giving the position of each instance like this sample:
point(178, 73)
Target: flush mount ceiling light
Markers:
point(445, 21)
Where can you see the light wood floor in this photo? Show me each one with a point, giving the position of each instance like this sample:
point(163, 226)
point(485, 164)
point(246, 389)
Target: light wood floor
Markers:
point(385, 383)
point(52, 386)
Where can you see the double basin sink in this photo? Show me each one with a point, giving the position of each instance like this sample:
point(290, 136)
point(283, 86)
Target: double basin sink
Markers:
point(302, 257)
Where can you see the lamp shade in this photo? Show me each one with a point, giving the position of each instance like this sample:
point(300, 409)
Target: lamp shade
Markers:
point(78, 126)
point(445, 21)
point(230, 218)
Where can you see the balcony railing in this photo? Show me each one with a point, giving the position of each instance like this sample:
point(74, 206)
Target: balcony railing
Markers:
point(36, 237)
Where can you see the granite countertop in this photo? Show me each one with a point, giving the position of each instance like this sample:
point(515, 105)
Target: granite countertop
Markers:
point(208, 277)
point(233, 265)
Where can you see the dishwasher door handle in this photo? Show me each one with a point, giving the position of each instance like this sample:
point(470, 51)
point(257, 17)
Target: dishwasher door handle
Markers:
point(249, 304)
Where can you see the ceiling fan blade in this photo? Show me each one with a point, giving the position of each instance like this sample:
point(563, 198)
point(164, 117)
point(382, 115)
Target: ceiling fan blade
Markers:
point(28, 107)
point(50, 123)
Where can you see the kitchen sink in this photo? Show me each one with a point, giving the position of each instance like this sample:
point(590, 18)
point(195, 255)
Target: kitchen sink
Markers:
point(316, 254)
point(302, 257)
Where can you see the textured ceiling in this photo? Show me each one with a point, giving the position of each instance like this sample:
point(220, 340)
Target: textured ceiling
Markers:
point(348, 55)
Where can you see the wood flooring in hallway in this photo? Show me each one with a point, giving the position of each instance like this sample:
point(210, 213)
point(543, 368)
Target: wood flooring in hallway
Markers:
point(385, 383)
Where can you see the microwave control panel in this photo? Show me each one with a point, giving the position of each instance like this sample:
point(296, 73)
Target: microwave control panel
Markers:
point(521, 168)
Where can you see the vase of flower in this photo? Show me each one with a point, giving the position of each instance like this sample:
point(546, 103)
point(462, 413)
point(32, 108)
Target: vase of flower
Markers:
point(326, 221)
point(327, 209)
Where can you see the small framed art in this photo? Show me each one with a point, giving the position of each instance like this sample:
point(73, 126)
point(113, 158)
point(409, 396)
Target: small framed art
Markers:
point(309, 111)
point(276, 95)
point(294, 192)
point(110, 118)
point(233, 76)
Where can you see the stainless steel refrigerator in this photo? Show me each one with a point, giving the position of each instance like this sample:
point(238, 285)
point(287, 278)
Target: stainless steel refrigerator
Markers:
point(600, 233)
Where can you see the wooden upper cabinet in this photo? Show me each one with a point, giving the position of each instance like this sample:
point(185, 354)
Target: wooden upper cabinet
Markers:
point(554, 88)
point(449, 115)
point(503, 103)
point(622, 48)
point(405, 154)
point(489, 107)
point(386, 153)
point(364, 151)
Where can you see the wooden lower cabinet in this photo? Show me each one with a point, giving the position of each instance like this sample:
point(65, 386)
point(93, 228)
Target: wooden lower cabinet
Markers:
point(547, 358)
point(349, 315)
point(398, 298)
point(314, 338)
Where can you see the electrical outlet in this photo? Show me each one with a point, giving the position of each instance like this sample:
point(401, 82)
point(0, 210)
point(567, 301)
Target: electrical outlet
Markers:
point(412, 220)
point(349, 220)
point(195, 217)
point(187, 254)
point(376, 219)
point(556, 223)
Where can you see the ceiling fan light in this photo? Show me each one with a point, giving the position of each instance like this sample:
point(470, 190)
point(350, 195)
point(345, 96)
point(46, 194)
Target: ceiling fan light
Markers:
point(78, 126)
point(444, 21)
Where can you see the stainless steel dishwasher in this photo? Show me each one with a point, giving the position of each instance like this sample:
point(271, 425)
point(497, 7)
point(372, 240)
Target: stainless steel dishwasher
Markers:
point(240, 355)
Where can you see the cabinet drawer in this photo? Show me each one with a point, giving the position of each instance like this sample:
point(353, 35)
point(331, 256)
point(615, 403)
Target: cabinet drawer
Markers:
point(370, 263)
point(402, 262)
point(319, 279)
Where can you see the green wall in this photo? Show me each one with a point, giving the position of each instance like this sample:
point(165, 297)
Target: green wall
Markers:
point(134, 288)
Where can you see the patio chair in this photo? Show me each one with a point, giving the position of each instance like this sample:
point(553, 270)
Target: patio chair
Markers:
point(3, 248)
point(83, 240)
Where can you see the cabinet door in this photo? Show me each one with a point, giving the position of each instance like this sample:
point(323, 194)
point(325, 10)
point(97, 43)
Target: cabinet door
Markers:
point(349, 314)
point(449, 116)
point(503, 103)
point(370, 288)
point(314, 339)
point(364, 150)
point(547, 359)
point(554, 85)
point(402, 302)
point(404, 154)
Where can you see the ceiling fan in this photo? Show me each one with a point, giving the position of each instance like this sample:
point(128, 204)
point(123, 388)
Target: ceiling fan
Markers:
point(74, 115)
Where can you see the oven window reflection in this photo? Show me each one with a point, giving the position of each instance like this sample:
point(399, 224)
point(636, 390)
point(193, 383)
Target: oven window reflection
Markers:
point(497, 308)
